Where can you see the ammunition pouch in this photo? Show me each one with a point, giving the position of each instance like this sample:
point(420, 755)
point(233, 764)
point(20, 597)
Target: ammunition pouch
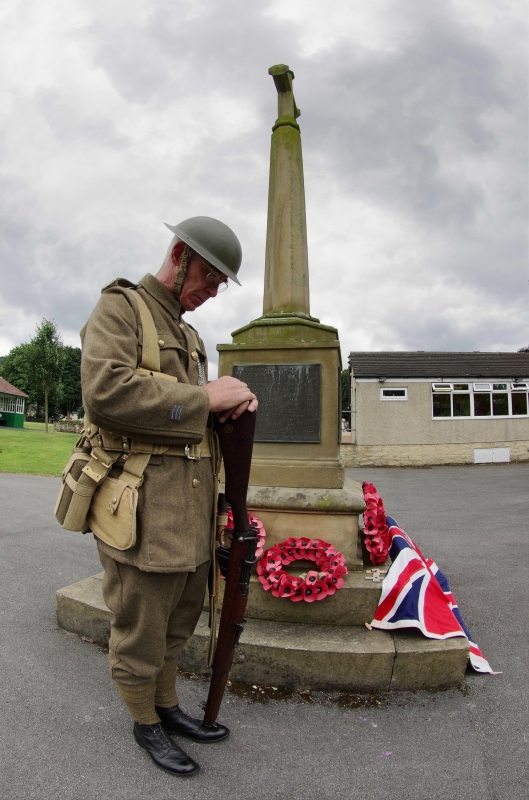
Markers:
point(90, 500)
point(112, 513)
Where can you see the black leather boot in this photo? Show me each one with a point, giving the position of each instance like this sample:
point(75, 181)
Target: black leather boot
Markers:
point(163, 751)
point(178, 723)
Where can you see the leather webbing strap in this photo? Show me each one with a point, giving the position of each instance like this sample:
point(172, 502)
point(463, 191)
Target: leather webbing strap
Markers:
point(134, 468)
point(150, 350)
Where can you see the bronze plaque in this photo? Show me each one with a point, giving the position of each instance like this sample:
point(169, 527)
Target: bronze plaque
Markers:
point(289, 400)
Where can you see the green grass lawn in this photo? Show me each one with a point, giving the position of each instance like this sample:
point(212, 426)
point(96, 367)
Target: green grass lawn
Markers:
point(32, 451)
point(36, 426)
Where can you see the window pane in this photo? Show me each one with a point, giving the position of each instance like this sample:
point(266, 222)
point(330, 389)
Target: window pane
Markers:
point(500, 405)
point(442, 405)
point(482, 405)
point(461, 405)
point(519, 403)
point(460, 387)
point(394, 392)
point(499, 385)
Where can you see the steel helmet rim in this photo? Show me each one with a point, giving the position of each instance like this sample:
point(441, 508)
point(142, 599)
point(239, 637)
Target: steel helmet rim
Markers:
point(181, 230)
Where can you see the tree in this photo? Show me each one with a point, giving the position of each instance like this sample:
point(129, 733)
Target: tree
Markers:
point(71, 398)
point(47, 371)
point(46, 360)
point(524, 349)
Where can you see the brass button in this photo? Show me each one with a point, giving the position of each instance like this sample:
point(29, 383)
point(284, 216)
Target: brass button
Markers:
point(125, 456)
point(182, 325)
point(195, 483)
point(194, 355)
point(114, 499)
point(161, 342)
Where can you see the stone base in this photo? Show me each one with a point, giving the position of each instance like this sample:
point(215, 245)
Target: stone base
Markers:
point(81, 609)
point(422, 455)
point(328, 514)
point(311, 473)
point(354, 604)
point(296, 654)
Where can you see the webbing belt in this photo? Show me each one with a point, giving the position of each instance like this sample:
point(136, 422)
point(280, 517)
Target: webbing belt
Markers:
point(192, 451)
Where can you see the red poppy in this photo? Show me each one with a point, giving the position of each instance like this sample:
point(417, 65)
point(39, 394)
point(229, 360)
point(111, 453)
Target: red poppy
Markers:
point(321, 589)
point(297, 594)
point(334, 580)
point(309, 593)
point(284, 589)
point(338, 571)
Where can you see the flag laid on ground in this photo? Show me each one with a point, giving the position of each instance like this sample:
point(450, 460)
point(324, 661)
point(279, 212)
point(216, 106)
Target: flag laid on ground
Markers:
point(416, 594)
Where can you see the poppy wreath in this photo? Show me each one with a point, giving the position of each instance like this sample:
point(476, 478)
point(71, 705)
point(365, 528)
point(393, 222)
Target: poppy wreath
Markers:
point(377, 539)
point(310, 586)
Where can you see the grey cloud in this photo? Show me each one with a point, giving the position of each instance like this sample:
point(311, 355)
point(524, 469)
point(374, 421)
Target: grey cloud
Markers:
point(433, 131)
point(389, 122)
point(68, 125)
point(170, 56)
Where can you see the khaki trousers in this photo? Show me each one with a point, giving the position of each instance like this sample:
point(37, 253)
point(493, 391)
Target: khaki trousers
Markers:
point(154, 616)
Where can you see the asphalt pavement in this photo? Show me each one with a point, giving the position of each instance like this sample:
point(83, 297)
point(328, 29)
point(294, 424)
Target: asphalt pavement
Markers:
point(66, 734)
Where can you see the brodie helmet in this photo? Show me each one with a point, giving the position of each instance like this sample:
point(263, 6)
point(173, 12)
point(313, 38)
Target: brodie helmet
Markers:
point(212, 240)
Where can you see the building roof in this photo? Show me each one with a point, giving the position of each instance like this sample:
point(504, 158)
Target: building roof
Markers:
point(8, 388)
point(436, 365)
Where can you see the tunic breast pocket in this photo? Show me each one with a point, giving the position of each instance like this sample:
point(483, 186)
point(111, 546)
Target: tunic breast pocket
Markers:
point(173, 356)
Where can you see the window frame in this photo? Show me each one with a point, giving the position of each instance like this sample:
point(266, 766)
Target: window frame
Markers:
point(398, 398)
point(8, 404)
point(491, 388)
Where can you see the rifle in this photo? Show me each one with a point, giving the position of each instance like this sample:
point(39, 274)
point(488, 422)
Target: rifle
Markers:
point(236, 443)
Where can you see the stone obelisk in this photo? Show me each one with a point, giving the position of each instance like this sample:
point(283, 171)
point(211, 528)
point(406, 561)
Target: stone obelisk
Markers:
point(292, 362)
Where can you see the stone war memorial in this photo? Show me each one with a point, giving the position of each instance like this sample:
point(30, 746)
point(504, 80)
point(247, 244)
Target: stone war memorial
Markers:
point(298, 486)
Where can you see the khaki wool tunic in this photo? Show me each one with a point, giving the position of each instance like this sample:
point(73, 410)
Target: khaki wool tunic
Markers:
point(176, 500)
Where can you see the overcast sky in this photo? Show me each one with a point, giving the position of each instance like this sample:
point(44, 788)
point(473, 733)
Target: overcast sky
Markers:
point(120, 115)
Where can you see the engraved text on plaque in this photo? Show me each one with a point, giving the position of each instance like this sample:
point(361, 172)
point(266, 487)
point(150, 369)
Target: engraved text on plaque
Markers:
point(289, 400)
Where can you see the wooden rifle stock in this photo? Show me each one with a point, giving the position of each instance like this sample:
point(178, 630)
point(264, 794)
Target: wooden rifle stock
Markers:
point(236, 444)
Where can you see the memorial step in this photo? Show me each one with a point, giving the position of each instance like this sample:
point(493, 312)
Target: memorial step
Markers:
point(297, 654)
point(354, 604)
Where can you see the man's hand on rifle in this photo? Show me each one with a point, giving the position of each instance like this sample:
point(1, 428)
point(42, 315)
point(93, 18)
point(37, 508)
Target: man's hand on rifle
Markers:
point(229, 398)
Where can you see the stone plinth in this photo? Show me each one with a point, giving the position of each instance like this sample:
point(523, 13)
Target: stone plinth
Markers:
point(292, 340)
point(328, 514)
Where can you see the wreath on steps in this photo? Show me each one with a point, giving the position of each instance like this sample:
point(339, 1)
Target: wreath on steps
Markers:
point(309, 586)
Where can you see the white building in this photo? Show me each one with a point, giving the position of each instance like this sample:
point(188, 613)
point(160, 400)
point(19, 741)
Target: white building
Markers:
point(419, 408)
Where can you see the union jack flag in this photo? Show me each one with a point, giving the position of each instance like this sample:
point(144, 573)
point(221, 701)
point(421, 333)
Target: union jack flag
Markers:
point(416, 594)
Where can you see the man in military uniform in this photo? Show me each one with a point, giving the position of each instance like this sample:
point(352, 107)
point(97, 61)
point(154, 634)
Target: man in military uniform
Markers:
point(156, 588)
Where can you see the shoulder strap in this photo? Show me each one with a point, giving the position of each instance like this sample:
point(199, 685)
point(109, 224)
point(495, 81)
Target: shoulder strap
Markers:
point(150, 351)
